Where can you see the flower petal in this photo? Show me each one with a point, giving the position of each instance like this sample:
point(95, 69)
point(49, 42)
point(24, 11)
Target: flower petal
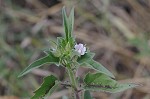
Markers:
point(80, 48)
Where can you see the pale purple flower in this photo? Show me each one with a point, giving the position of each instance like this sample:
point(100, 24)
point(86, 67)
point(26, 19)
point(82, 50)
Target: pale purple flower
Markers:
point(80, 48)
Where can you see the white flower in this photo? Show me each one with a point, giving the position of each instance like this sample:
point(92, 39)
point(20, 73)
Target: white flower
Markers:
point(80, 48)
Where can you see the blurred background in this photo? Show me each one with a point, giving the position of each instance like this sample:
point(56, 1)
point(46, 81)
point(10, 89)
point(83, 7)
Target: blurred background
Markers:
point(118, 31)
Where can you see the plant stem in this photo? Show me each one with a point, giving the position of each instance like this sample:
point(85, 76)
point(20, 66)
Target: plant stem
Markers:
point(73, 82)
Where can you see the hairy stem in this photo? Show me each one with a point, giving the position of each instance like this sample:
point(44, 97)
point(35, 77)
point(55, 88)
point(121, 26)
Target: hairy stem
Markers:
point(73, 82)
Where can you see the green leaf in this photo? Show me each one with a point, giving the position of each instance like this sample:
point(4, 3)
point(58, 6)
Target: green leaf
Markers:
point(87, 95)
point(68, 47)
point(101, 82)
point(61, 42)
point(68, 23)
point(53, 89)
point(47, 51)
point(85, 58)
point(72, 42)
point(96, 66)
point(100, 68)
point(47, 87)
point(50, 58)
point(65, 23)
point(71, 22)
point(53, 44)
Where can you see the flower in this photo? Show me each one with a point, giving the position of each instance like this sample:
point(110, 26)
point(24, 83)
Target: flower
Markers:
point(80, 48)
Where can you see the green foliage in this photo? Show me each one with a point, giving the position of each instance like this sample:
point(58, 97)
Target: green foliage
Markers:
point(85, 58)
point(48, 86)
point(101, 82)
point(68, 23)
point(98, 67)
point(57, 83)
point(64, 54)
point(71, 22)
point(50, 58)
point(87, 61)
point(87, 95)
point(65, 24)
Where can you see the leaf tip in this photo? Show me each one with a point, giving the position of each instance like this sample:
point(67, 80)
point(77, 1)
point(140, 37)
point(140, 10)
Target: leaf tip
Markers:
point(134, 85)
point(20, 75)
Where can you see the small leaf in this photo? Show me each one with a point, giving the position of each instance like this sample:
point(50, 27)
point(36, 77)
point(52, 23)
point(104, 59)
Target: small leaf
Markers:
point(61, 42)
point(68, 47)
point(101, 82)
point(84, 58)
point(87, 95)
point(100, 68)
point(53, 44)
point(97, 66)
point(50, 58)
point(65, 23)
point(56, 52)
point(47, 87)
point(47, 51)
point(71, 22)
point(72, 42)
point(53, 89)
